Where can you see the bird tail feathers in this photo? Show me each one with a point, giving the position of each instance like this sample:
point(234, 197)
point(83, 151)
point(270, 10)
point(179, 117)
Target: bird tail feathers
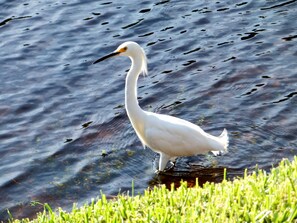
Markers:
point(223, 140)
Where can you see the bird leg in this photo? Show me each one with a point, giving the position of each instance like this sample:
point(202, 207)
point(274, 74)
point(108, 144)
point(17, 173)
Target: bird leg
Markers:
point(164, 158)
point(173, 161)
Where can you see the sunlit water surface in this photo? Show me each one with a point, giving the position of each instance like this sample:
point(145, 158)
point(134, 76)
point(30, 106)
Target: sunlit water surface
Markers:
point(64, 131)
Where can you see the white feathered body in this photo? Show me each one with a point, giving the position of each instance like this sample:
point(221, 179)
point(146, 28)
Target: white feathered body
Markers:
point(173, 137)
point(177, 137)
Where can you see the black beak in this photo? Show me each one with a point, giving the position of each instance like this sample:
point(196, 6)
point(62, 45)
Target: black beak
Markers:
point(107, 56)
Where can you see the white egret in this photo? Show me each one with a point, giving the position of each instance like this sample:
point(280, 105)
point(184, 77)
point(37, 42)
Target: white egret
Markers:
point(169, 136)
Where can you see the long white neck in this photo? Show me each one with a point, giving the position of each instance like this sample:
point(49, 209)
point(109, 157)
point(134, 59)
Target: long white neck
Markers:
point(135, 113)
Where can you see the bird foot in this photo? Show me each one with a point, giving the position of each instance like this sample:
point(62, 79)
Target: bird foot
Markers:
point(170, 168)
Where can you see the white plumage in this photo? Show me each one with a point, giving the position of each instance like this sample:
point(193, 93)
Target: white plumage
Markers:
point(169, 136)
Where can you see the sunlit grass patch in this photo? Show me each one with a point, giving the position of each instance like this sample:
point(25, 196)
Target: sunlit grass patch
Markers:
point(258, 197)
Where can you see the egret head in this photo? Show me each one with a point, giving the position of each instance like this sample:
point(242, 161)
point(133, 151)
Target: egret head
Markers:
point(131, 50)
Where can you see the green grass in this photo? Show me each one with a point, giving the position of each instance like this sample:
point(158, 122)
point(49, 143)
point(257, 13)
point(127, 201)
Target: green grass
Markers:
point(258, 197)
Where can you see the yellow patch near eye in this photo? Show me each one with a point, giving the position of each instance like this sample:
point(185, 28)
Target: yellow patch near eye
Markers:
point(122, 50)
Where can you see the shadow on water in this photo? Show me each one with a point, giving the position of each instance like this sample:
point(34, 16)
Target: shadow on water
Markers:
point(196, 173)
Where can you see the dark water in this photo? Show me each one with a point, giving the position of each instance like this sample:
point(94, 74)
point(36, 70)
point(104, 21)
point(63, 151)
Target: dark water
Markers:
point(64, 132)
